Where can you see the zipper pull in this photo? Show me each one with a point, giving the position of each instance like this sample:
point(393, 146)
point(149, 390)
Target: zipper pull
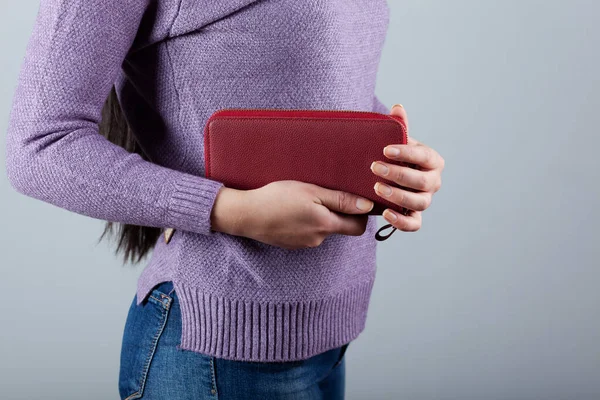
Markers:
point(404, 211)
point(382, 238)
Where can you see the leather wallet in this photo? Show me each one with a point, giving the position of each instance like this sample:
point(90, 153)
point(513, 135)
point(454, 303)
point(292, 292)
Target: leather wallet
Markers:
point(249, 148)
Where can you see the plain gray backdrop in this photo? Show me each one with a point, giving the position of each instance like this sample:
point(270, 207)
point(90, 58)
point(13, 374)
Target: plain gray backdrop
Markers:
point(496, 297)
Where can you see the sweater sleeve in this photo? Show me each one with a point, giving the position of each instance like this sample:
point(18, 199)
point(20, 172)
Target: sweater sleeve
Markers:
point(54, 151)
point(379, 107)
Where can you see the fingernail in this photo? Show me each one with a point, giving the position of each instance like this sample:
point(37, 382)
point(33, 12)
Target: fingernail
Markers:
point(363, 204)
point(379, 168)
point(397, 105)
point(390, 216)
point(391, 151)
point(383, 188)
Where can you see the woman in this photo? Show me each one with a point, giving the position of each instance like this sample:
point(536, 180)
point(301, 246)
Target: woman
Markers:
point(257, 293)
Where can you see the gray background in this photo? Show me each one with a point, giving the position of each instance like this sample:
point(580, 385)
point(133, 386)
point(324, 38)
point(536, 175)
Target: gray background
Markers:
point(495, 298)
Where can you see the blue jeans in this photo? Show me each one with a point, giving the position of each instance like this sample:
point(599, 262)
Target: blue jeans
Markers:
point(154, 367)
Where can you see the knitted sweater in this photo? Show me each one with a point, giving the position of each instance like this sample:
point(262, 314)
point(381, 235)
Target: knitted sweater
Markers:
point(173, 63)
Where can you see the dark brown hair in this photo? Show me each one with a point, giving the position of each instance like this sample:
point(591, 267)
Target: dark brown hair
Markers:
point(134, 241)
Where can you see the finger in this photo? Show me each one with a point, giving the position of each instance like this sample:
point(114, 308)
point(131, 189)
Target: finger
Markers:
point(425, 181)
point(411, 200)
point(344, 202)
point(414, 142)
point(405, 223)
point(345, 224)
point(423, 156)
point(399, 111)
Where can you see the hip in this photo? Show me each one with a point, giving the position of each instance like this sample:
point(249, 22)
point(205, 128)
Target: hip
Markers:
point(154, 366)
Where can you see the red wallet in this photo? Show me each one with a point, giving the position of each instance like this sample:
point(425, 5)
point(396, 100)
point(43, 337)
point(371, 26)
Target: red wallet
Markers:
point(249, 148)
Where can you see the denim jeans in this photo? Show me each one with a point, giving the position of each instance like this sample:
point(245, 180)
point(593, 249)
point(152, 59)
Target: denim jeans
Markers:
point(154, 367)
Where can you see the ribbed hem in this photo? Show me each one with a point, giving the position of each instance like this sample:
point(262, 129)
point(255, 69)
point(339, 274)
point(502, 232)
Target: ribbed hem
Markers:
point(270, 331)
point(191, 204)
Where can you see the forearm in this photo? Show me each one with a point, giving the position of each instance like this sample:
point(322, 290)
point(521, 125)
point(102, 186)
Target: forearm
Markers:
point(230, 211)
point(54, 151)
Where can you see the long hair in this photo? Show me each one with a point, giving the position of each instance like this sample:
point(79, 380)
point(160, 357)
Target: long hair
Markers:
point(133, 241)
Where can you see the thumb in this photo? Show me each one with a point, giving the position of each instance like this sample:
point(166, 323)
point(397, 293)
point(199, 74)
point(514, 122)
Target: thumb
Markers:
point(344, 202)
point(399, 111)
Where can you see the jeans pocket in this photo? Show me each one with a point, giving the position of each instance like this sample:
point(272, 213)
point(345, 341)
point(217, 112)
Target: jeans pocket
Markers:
point(341, 356)
point(143, 328)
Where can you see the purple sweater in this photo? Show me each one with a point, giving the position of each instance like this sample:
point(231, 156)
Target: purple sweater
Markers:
point(173, 63)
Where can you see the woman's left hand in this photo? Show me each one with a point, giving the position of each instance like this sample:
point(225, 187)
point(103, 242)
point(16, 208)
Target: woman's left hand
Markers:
point(425, 179)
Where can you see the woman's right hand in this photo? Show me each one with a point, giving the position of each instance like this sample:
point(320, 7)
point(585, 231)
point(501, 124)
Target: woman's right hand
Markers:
point(289, 214)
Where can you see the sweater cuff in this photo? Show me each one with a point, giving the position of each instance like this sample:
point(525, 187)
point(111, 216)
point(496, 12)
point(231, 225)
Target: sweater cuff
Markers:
point(191, 203)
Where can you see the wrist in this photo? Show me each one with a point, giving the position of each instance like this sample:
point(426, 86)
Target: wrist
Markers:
point(227, 213)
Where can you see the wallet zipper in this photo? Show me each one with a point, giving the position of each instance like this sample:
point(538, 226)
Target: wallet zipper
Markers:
point(300, 109)
point(297, 109)
point(405, 131)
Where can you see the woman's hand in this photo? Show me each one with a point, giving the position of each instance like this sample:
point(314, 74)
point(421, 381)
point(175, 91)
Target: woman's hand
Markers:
point(289, 214)
point(422, 181)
